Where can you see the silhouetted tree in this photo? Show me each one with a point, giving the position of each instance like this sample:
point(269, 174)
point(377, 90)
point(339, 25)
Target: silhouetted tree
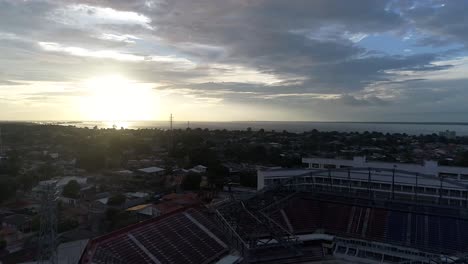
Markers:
point(72, 189)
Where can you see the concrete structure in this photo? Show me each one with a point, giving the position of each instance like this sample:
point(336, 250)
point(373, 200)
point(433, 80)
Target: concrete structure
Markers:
point(429, 181)
point(428, 167)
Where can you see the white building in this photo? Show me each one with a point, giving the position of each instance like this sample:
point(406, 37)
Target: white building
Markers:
point(428, 167)
point(423, 180)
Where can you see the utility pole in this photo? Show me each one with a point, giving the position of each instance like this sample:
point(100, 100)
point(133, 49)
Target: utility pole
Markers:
point(1, 146)
point(171, 120)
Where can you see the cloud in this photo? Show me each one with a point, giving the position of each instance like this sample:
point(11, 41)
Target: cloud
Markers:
point(81, 15)
point(82, 52)
point(297, 56)
point(442, 22)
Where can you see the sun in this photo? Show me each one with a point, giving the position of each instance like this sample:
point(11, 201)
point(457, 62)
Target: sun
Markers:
point(116, 99)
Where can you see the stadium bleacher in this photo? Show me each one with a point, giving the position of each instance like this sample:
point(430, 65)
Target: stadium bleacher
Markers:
point(429, 232)
point(184, 236)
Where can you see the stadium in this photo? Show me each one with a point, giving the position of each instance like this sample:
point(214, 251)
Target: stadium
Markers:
point(322, 216)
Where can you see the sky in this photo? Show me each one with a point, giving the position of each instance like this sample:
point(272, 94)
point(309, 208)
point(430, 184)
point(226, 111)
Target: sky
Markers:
point(242, 60)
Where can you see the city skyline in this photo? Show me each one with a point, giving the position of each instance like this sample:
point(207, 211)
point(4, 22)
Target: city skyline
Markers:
point(234, 60)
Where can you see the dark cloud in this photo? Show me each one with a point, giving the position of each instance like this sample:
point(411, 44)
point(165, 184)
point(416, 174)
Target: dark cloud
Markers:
point(308, 45)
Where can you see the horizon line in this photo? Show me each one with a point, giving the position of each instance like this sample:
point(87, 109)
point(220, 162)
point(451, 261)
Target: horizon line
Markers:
point(239, 121)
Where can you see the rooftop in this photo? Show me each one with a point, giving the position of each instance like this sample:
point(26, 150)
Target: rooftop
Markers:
point(151, 170)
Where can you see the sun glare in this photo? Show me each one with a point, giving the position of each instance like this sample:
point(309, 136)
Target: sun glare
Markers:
point(117, 99)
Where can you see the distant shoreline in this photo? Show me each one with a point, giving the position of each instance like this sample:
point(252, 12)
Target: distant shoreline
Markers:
point(245, 122)
point(411, 128)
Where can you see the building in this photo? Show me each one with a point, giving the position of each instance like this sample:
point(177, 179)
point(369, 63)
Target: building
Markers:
point(152, 171)
point(448, 134)
point(428, 181)
point(320, 222)
point(19, 222)
point(428, 167)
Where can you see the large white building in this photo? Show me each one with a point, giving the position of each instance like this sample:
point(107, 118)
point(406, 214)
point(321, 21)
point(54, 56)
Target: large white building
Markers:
point(428, 167)
point(426, 181)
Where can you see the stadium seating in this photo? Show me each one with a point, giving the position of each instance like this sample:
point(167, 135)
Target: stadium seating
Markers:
point(304, 215)
point(377, 224)
point(183, 237)
point(397, 227)
point(437, 233)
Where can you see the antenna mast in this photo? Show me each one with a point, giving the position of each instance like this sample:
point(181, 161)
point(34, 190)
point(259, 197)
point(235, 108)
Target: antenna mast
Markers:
point(170, 121)
point(172, 132)
point(1, 146)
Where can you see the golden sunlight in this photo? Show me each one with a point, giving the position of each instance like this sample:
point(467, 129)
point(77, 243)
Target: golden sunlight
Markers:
point(116, 99)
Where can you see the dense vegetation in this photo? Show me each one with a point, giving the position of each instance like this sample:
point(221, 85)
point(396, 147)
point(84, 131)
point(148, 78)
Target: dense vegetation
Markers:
point(100, 150)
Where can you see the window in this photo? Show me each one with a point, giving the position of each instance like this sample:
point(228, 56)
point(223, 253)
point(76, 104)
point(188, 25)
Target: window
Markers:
point(463, 176)
point(345, 166)
point(315, 165)
point(329, 166)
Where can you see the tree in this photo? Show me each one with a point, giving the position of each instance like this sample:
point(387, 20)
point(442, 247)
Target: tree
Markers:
point(191, 182)
point(26, 181)
point(67, 224)
point(248, 180)
point(7, 188)
point(3, 244)
point(117, 199)
point(216, 174)
point(462, 159)
point(71, 190)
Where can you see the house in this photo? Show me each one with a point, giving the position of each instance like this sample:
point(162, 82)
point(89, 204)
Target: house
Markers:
point(184, 199)
point(151, 171)
point(199, 169)
point(123, 173)
point(19, 222)
point(67, 201)
point(135, 198)
point(165, 208)
point(70, 252)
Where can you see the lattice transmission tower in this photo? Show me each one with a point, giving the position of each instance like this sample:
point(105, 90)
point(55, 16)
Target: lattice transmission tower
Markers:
point(47, 252)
